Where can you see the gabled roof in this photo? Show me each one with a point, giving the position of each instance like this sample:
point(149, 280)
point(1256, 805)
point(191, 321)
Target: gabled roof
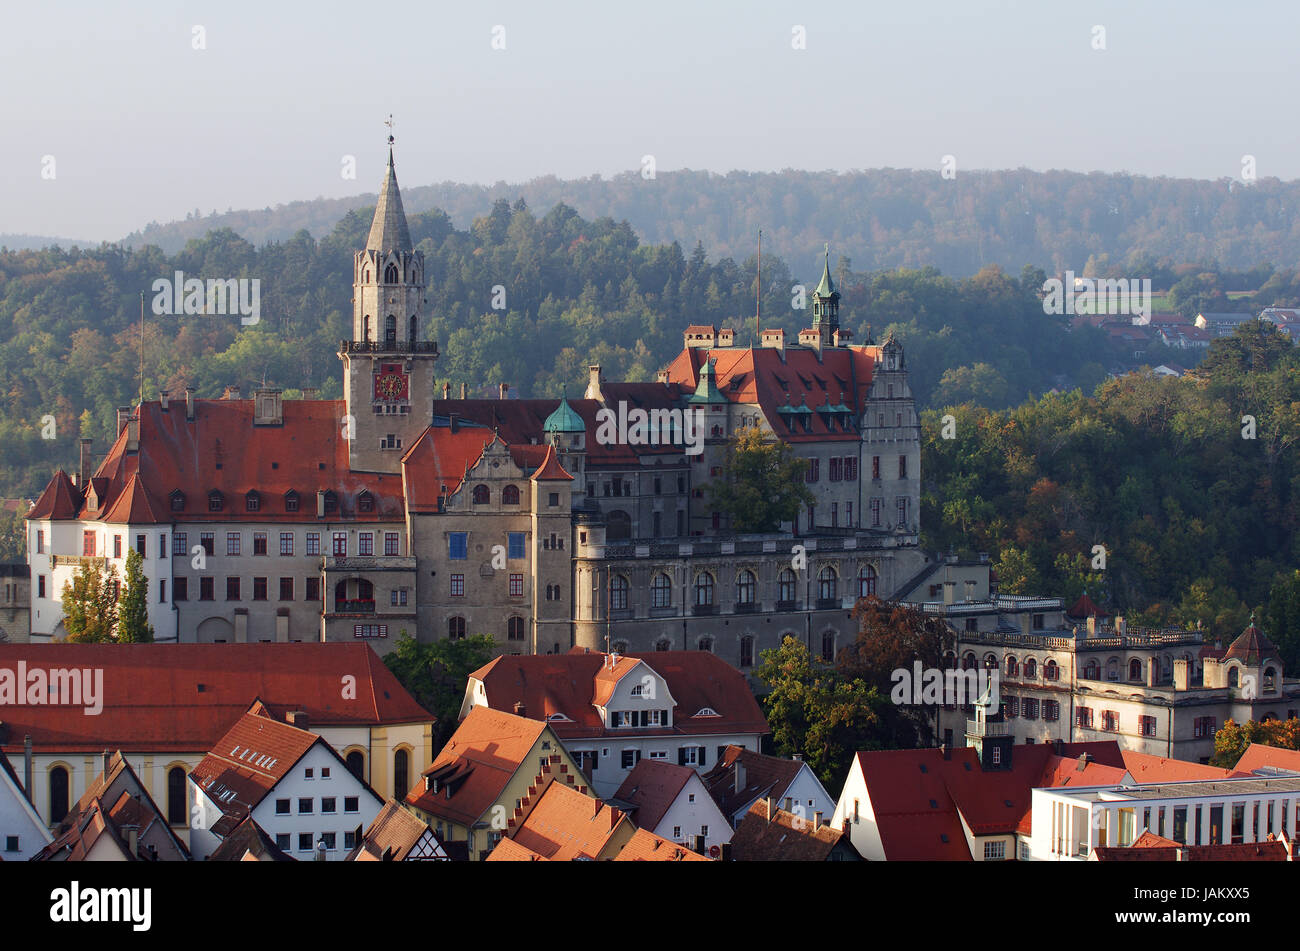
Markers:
point(645, 846)
point(774, 835)
point(184, 697)
point(1153, 848)
point(472, 770)
point(248, 762)
point(508, 850)
point(1148, 768)
point(248, 842)
point(761, 775)
point(397, 835)
point(568, 683)
point(61, 499)
point(134, 507)
point(388, 230)
point(651, 788)
point(1085, 607)
point(564, 825)
point(1272, 758)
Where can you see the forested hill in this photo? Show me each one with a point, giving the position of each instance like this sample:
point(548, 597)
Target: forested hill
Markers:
point(880, 218)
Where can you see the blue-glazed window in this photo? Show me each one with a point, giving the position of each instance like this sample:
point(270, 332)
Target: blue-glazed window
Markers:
point(516, 545)
point(457, 546)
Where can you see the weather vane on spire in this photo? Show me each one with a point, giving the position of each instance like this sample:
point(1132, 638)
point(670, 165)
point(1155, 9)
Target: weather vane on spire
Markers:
point(389, 122)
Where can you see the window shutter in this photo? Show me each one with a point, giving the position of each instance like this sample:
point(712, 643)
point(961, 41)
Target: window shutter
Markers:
point(681, 756)
point(701, 755)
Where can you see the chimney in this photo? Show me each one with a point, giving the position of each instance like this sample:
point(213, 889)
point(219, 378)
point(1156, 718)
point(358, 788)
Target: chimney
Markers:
point(740, 776)
point(123, 414)
point(1058, 746)
point(320, 503)
point(662, 376)
point(949, 592)
point(231, 393)
point(947, 752)
point(1121, 626)
point(502, 390)
point(162, 400)
point(521, 710)
point(189, 402)
point(297, 718)
point(83, 466)
point(268, 407)
point(1092, 627)
point(593, 384)
point(1153, 671)
point(446, 391)
point(1182, 674)
point(464, 390)
point(1180, 855)
point(310, 393)
point(27, 765)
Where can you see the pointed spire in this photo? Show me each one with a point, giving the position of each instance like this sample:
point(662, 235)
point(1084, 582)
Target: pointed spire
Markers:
point(388, 232)
point(827, 287)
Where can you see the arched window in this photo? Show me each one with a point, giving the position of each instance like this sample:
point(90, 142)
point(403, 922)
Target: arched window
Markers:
point(786, 586)
point(1031, 669)
point(747, 651)
point(456, 628)
point(661, 592)
point(990, 661)
point(1135, 669)
point(1112, 669)
point(968, 661)
point(510, 495)
point(365, 331)
point(411, 333)
point(390, 274)
point(866, 582)
point(1092, 670)
point(618, 588)
point(58, 794)
point(401, 773)
point(1270, 678)
point(1051, 671)
point(663, 644)
point(618, 526)
point(1234, 676)
point(356, 762)
point(828, 646)
point(482, 495)
point(826, 583)
point(390, 330)
point(745, 585)
point(177, 811)
point(703, 588)
point(1013, 668)
point(706, 644)
point(515, 629)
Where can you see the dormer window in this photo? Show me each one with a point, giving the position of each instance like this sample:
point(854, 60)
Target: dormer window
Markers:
point(707, 712)
point(252, 501)
point(216, 501)
point(291, 501)
point(365, 502)
point(178, 501)
point(330, 501)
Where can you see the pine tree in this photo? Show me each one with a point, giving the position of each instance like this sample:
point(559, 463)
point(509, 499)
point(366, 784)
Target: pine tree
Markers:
point(133, 611)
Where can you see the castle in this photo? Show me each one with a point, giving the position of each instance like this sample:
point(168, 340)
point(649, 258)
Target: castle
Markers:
point(399, 508)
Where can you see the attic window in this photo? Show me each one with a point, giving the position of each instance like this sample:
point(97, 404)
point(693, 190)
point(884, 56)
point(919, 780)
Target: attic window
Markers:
point(708, 712)
point(252, 501)
point(924, 769)
point(178, 501)
point(291, 501)
point(934, 804)
point(943, 837)
point(365, 502)
point(967, 765)
point(558, 718)
point(215, 501)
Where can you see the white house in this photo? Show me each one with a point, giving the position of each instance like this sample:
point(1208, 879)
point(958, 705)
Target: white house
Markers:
point(673, 803)
point(293, 784)
point(22, 833)
point(741, 777)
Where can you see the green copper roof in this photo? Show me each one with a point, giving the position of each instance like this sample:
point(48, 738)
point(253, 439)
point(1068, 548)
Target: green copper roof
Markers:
point(803, 406)
point(707, 391)
point(564, 419)
point(827, 287)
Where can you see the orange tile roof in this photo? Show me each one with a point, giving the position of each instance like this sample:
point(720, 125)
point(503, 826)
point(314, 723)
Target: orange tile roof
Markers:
point(1147, 768)
point(564, 825)
point(508, 850)
point(1259, 756)
point(184, 697)
point(1274, 851)
point(475, 766)
point(247, 763)
point(394, 833)
point(652, 787)
point(645, 846)
point(567, 683)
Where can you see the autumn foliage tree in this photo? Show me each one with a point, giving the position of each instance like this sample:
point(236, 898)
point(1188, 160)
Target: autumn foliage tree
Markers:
point(1234, 739)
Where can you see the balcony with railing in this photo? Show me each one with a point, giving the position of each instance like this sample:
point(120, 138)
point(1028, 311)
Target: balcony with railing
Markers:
point(987, 728)
point(354, 606)
point(389, 346)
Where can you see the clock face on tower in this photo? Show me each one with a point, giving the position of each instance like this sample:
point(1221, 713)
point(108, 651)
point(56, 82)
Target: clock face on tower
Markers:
point(391, 384)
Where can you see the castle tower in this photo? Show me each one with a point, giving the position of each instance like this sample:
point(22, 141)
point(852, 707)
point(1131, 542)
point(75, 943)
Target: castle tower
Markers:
point(388, 369)
point(826, 306)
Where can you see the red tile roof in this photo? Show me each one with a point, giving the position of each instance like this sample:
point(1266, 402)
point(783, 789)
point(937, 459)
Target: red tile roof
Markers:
point(1273, 851)
point(184, 697)
point(248, 842)
point(475, 766)
point(563, 825)
point(645, 846)
point(393, 836)
point(550, 470)
point(1085, 607)
point(508, 850)
point(133, 506)
point(1147, 768)
point(652, 787)
point(61, 499)
point(1259, 756)
point(221, 450)
point(761, 376)
point(247, 763)
point(570, 683)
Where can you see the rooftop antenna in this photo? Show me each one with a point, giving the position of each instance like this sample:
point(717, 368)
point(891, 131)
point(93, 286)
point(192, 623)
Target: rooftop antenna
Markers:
point(758, 291)
point(141, 403)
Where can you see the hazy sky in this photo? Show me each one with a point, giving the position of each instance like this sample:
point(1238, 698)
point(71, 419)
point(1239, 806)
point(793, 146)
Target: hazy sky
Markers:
point(142, 126)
